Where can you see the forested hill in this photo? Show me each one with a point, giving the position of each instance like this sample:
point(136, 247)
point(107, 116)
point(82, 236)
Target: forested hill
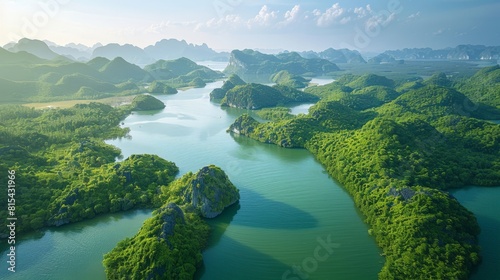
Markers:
point(66, 173)
point(397, 147)
point(250, 63)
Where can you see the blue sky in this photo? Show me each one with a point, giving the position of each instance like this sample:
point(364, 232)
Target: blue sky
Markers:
point(237, 24)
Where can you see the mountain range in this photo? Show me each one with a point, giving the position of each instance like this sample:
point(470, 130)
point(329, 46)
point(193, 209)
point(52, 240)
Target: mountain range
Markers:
point(460, 52)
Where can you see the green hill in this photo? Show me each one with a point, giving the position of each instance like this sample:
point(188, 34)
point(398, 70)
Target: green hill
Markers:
point(231, 82)
point(118, 70)
point(168, 245)
point(484, 86)
point(161, 88)
point(431, 102)
point(250, 63)
point(395, 160)
point(285, 78)
point(98, 62)
point(255, 96)
point(182, 70)
point(146, 102)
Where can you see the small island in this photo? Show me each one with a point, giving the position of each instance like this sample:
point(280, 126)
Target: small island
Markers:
point(146, 103)
point(236, 93)
point(168, 246)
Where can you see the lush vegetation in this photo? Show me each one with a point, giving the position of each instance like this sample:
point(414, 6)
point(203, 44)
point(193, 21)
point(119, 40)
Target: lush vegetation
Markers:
point(66, 172)
point(182, 72)
point(274, 114)
point(484, 86)
point(285, 78)
point(146, 102)
point(209, 191)
point(161, 88)
point(255, 65)
point(236, 93)
point(396, 151)
point(219, 93)
point(25, 78)
point(168, 246)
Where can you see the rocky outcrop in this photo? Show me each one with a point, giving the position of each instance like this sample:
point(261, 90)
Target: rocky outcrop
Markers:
point(171, 214)
point(211, 191)
point(208, 191)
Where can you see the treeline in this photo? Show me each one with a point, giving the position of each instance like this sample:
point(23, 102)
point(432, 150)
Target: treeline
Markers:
point(396, 147)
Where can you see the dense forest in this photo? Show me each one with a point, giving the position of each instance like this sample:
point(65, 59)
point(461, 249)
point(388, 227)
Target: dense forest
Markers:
point(66, 172)
point(168, 246)
point(236, 93)
point(397, 146)
point(27, 78)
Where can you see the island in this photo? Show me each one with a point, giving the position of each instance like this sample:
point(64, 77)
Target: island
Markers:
point(146, 102)
point(236, 93)
point(168, 246)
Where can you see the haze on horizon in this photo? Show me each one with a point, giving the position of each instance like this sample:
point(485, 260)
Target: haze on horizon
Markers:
point(237, 24)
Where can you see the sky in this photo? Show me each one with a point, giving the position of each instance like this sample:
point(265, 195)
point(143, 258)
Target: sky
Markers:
point(367, 26)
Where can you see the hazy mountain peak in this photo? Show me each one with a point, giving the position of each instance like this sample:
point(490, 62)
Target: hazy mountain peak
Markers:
point(36, 47)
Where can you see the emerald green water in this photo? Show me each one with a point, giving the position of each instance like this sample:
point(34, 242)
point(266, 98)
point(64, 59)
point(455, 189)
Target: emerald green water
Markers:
point(289, 208)
point(483, 202)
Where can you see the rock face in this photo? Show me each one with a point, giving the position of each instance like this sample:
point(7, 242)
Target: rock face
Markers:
point(210, 191)
point(171, 215)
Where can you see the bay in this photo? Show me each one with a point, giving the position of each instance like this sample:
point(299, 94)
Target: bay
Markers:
point(292, 222)
point(483, 202)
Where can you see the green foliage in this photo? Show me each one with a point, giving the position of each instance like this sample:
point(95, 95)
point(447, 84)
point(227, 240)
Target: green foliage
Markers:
point(249, 63)
point(219, 93)
point(396, 160)
point(286, 79)
point(256, 96)
point(182, 72)
point(161, 88)
point(146, 102)
point(168, 246)
point(483, 87)
point(29, 79)
point(275, 114)
point(66, 172)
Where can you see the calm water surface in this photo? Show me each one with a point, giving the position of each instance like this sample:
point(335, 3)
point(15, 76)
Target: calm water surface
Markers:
point(289, 208)
point(483, 202)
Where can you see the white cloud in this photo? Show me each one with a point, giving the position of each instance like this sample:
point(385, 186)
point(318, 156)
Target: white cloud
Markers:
point(265, 17)
point(292, 15)
point(415, 15)
point(379, 20)
point(362, 12)
point(330, 16)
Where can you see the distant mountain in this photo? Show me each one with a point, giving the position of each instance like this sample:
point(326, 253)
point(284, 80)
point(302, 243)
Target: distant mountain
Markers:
point(128, 52)
point(252, 63)
point(336, 56)
point(169, 49)
point(182, 72)
point(36, 47)
point(22, 57)
point(118, 70)
point(384, 58)
point(73, 51)
point(461, 52)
